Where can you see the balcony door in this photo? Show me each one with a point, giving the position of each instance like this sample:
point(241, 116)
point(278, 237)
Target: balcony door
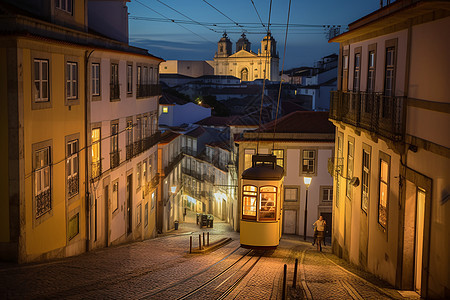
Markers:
point(129, 221)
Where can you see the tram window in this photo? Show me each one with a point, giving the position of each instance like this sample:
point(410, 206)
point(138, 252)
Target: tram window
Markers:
point(267, 202)
point(249, 202)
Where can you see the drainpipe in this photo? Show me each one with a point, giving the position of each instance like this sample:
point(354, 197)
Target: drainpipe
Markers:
point(86, 154)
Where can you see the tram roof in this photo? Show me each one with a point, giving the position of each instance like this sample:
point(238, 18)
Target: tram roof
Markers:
point(263, 172)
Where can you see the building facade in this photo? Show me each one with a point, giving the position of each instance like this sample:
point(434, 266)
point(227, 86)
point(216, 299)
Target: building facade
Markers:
point(245, 64)
point(391, 113)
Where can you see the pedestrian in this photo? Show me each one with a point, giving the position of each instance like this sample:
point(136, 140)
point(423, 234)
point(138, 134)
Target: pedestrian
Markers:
point(315, 234)
point(320, 225)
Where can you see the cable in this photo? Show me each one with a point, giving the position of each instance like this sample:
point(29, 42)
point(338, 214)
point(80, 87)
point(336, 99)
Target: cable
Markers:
point(240, 26)
point(282, 69)
point(187, 16)
point(173, 21)
point(84, 148)
point(254, 6)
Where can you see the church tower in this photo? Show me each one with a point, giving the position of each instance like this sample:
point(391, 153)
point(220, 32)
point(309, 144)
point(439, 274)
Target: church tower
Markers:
point(243, 44)
point(269, 46)
point(224, 46)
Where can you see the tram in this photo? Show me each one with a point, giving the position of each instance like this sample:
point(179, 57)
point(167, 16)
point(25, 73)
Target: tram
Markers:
point(261, 214)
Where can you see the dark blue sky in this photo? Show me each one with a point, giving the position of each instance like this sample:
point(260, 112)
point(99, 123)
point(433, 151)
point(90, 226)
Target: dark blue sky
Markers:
point(198, 26)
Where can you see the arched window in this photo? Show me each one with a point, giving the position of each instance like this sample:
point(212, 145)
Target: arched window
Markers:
point(249, 202)
point(267, 202)
point(244, 74)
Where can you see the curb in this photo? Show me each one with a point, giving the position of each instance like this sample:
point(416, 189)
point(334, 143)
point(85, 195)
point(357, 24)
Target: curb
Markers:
point(213, 246)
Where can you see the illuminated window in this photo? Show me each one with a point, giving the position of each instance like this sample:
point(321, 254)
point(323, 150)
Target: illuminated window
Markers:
point(115, 196)
point(248, 153)
point(365, 181)
point(42, 181)
point(280, 157)
point(249, 202)
point(350, 155)
point(96, 161)
point(267, 202)
point(72, 167)
point(74, 226)
point(384, 193)
point(165, 109)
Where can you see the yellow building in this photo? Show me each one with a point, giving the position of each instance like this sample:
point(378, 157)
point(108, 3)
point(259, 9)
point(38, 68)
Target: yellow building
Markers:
point(42, 176)
point(244, 63)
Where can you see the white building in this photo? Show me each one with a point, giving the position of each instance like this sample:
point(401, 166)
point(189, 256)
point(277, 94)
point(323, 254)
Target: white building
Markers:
point(123, 93)
point(392, 118)
point(303, 142)
point(191, 68)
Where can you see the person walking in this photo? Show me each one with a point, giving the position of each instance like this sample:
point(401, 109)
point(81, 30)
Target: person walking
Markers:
point(315, 234)
point(320, 226)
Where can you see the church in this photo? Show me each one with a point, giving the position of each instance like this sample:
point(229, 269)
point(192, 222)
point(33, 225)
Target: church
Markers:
point(244, 63)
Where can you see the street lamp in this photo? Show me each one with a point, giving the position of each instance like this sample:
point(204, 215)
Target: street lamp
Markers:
point(307, 181)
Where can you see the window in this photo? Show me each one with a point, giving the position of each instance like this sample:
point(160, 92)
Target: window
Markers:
point(138, 81)
point(115, 158)
point(371, 74)
point(71, 80)
point(248, 154)
point(267, 202)
point(72, 168)
point(74, 226)
point(249, 202)
point(138, 129)
point(115, 196)
point(41, 80)
point(389, 72)
point(114, 84)
point(356, 72)
point(165, 109)
point(344, 70)
point(65, 5)
point(326, 193)
point(129, 136)
point(139, 214)
point(338, 159)
point(96, 152)
point(290, 194)
point(280, 157)
point(129, 79)
point(309, 162)
point(138, 175)
point(146, 215)
point(350, 159)
point(365, 180)
point(153, 200)
point(384, 192)
point(42, 181)
point(95, 84)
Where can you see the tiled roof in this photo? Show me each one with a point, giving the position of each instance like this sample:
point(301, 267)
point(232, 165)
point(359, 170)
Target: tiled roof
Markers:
point(301, 122)
point(196, 132)
point(171, 99)
point(168, 136)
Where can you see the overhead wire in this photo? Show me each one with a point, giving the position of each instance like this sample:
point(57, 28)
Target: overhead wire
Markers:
point(236, 23)
point(281, 81)
point(173, 21)
point(259, 17)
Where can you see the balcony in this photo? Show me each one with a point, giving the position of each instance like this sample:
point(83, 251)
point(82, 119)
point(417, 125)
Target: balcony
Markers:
point(189, 151)
point(114, 159)
point(172, 164)
point(96, 169)
point(114, 91)
point(152, 140)
point(148, 90)
point(72, 185)
point(377, 113)
point(138, 147)
point(151, 185)
point(129, 151)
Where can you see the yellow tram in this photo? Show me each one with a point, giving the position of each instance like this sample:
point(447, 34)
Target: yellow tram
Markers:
point(261, 214)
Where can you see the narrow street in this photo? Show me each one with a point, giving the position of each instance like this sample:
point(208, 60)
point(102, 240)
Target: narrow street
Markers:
point(162, 268)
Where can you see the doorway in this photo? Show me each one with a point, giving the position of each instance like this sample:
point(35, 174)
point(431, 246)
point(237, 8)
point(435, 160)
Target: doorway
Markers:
point(129, 221)
point(418, 245)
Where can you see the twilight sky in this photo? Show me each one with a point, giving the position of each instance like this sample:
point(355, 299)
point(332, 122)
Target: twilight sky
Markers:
point(198, 26)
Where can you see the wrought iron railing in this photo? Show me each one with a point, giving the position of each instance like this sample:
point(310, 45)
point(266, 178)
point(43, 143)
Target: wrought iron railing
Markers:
point(137, 147)
point(189, 151)
point(96, 169)
point(43, 202)
point(383, 115)
point(152, 140)
point(148, 90)
point(151, 185)
point(114, 91)
point(175, 161)
point(73, 185)
point(129, 151)
point(114, 159)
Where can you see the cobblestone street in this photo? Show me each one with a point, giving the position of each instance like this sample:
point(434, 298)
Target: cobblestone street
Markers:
point(162, 268)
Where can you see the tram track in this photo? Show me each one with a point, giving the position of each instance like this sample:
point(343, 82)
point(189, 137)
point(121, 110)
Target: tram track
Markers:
point(168, 289)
